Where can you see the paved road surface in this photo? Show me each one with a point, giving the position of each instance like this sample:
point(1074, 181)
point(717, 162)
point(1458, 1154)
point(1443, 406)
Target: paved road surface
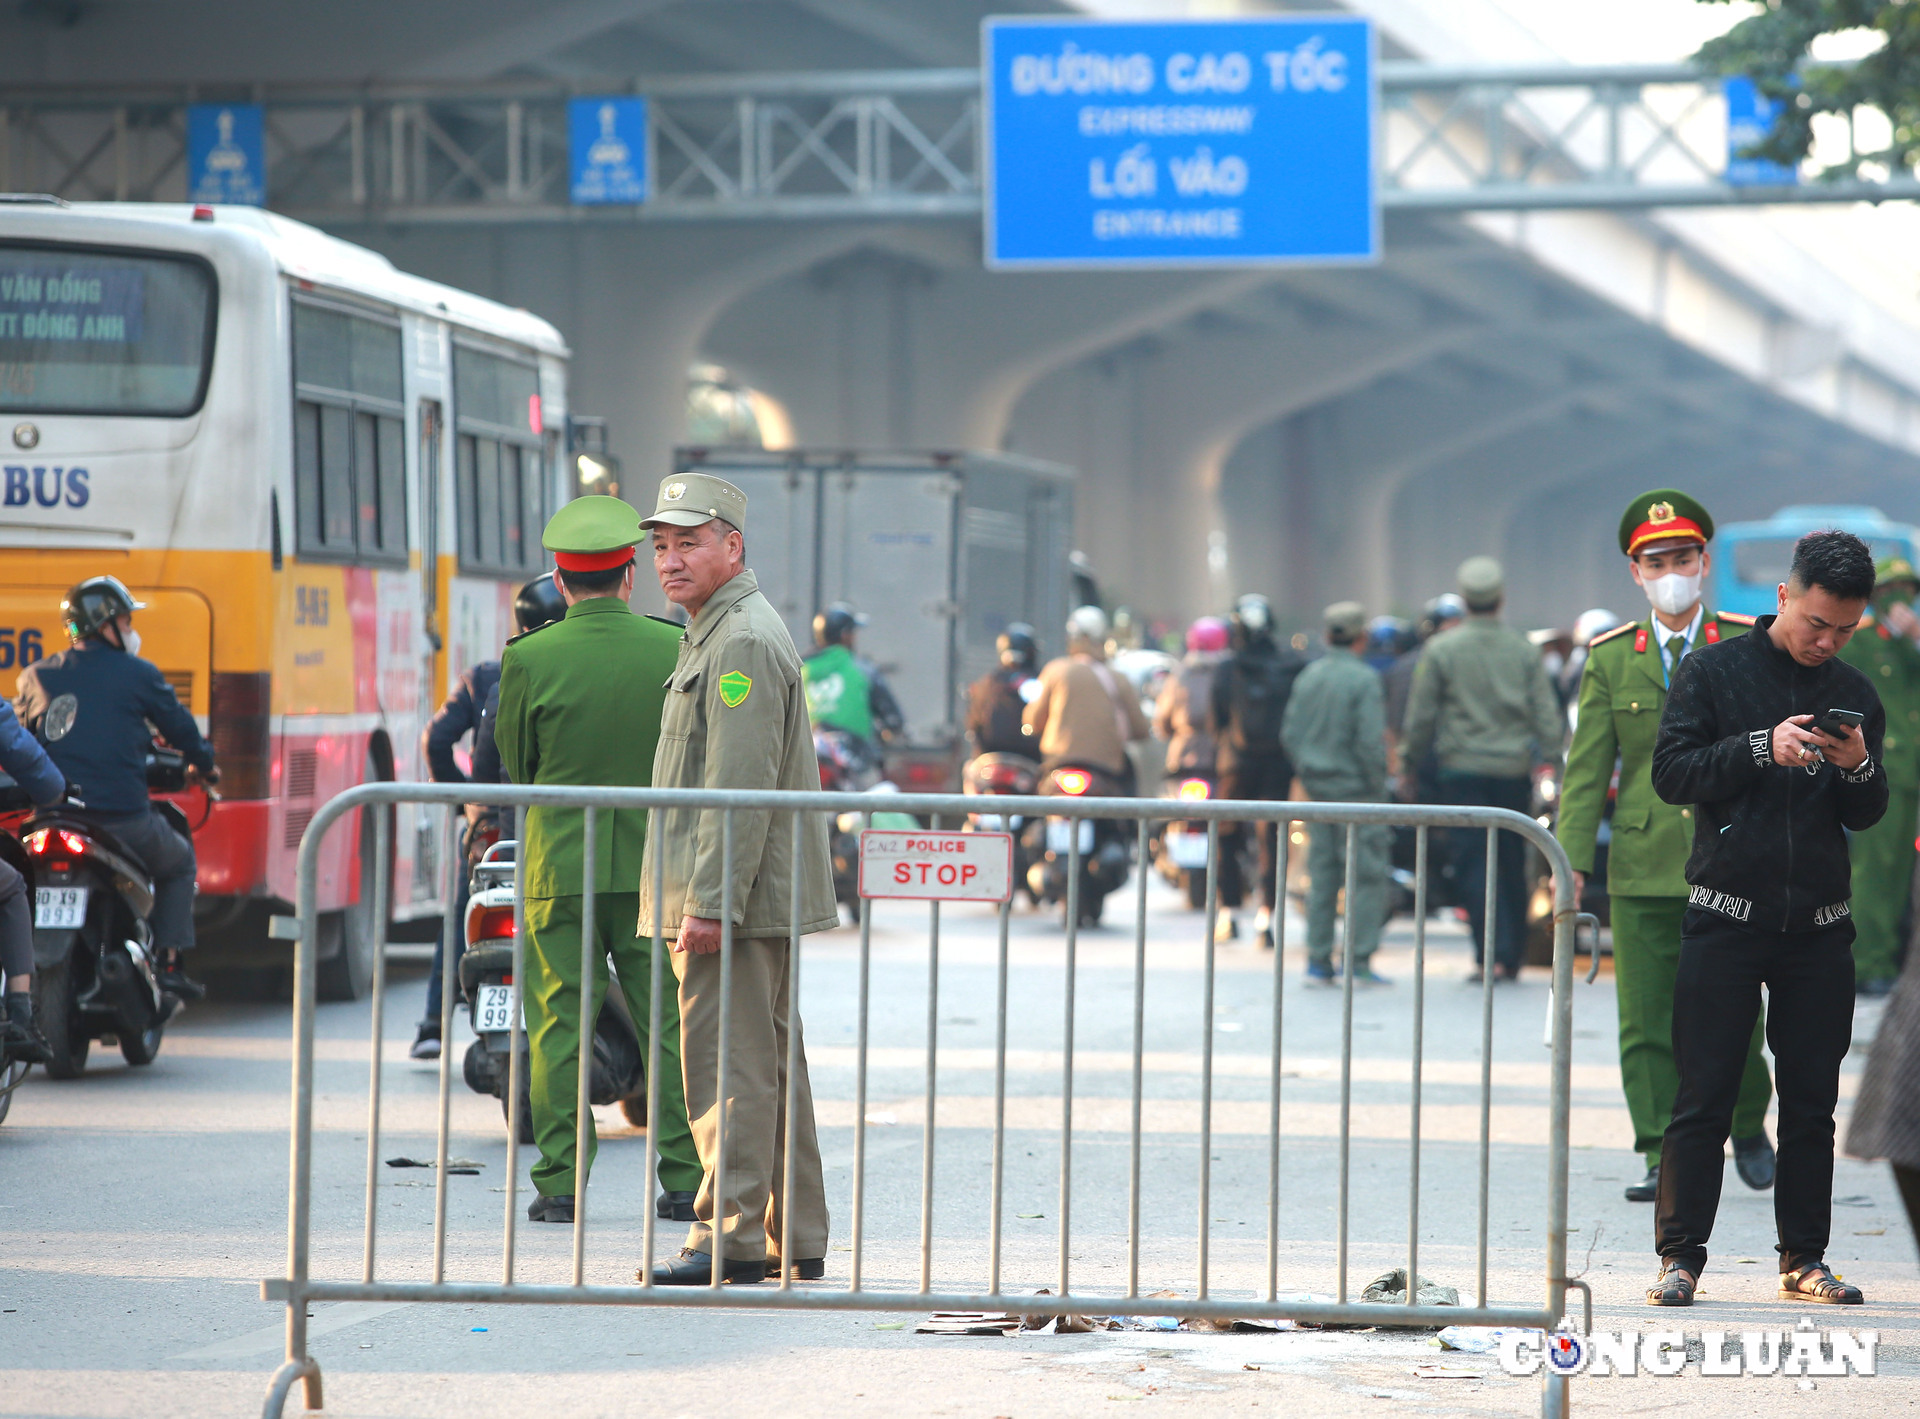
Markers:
point(139, 1209)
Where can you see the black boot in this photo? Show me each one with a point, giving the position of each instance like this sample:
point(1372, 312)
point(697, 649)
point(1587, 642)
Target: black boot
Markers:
point(173, 978)
point(20, 1038)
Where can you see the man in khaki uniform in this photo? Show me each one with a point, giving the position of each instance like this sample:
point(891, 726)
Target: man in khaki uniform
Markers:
point(736, 718)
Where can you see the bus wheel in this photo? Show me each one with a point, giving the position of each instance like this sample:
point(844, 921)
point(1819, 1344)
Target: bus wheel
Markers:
point(350, 938)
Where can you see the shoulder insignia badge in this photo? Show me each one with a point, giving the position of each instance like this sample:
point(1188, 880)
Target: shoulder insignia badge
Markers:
point(734, 687)
point(1606, 636)
point(1639, 640)
point(515, 640)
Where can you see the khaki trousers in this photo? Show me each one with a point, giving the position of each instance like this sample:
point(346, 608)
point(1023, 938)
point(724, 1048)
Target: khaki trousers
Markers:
point(752, 1208)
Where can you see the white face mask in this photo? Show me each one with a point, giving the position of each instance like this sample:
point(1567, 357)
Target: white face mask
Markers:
point(1673, 593)
point(130, 641)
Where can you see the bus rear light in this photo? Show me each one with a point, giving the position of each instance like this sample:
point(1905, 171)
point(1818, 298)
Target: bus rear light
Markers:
point(242, 733)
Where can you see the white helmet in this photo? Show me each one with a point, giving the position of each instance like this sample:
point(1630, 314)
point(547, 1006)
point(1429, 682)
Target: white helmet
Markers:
point(1593, 623)
point(1088, 623)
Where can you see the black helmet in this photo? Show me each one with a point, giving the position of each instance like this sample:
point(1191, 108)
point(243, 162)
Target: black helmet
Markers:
point(1018, 648)
point(94, 602)
point(831, 626)
point(537, 603)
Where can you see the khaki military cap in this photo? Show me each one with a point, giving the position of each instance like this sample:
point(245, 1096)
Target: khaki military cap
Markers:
point(592, 534)
point(1482, 582)
point(689, 499)
point(1346, 620)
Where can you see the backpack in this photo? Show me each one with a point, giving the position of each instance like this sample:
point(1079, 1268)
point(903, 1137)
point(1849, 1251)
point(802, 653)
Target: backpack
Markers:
point(1257, 699)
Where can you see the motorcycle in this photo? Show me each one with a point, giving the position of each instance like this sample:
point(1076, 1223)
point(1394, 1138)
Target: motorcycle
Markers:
point(1179, 847)
point(847, 766)
point(1002, 774)
point(94, 972)
point(1106, 853)
point(488, 988)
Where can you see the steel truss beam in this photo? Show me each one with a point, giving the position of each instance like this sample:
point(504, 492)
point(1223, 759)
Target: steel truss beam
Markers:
point(868, 144)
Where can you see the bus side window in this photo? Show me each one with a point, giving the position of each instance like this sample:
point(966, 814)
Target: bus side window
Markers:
point(500, 482)
point(350, 490)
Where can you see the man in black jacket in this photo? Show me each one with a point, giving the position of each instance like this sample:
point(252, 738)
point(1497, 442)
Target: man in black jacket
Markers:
point(1773, 799)
point(1249, 696)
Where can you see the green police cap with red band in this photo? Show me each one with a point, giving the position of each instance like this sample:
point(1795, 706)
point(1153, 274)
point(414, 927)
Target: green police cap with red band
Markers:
point(592, 534)
point(1664, 515)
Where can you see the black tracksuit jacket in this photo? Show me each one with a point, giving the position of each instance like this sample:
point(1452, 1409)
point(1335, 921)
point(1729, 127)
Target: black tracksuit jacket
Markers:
point(1769, 852)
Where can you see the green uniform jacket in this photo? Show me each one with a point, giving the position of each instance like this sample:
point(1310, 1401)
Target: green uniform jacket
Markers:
point(1482, 703)
point(1893, 664)
point(736, 717)
point(580, 703)
point(1622, 692)
point(1336, 723)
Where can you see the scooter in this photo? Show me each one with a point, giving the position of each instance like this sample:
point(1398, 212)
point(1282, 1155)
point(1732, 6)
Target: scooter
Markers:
point(1003, 774)
point(1106, 854)
point(488, 988)
point(94, 973)
point(1180, 847)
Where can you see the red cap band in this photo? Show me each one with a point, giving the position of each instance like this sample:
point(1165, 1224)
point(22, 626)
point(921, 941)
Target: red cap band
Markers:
point(593, 561)
point(1673, 529)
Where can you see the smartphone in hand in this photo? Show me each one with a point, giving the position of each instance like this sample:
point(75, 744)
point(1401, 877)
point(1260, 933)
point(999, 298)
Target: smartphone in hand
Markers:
point(1835, 723)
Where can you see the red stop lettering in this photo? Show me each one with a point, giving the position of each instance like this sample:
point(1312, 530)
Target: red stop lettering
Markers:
point(902, 873)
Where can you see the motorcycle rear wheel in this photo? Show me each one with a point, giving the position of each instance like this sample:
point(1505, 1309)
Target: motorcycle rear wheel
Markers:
point(60, 1021)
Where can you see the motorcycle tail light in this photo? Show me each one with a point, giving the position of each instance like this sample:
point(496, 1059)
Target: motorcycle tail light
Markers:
point(1195, 790)
point(1073, 782)
point(1003, 776)
point(490, 923)
point(55, 840)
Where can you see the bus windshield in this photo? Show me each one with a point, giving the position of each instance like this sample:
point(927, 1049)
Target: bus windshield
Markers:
point(89, 331)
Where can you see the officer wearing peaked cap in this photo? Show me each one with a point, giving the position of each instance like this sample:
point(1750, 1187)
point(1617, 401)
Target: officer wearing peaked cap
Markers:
point(1623, 689)
point(736, 718)
point(580, 703)
point(1883, 649)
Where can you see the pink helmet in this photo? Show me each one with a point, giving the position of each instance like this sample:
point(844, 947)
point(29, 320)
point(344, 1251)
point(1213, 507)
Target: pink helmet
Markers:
point(1207, 633)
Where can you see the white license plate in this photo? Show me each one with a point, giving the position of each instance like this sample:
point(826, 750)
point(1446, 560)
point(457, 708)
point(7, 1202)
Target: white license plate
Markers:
point(1060, 834)
point(994, 823)
point(60, 906)
point(493, 1011)
point(1187, 850)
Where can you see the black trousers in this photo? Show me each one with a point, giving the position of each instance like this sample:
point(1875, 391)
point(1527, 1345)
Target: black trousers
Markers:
point(1716, 998)
point(169, 857)
point(1469, 851)
point(1266, 778)
point(16, 924)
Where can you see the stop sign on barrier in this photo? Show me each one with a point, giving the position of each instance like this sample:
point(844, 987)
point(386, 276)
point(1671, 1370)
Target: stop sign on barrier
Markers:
point(936, 866)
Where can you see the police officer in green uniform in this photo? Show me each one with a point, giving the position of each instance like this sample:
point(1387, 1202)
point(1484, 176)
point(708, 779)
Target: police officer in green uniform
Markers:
point(580, 703)
point(1664, 534)
point(1882, 856)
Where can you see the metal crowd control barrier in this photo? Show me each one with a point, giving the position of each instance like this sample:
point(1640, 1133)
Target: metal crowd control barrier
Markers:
point(299, 1287)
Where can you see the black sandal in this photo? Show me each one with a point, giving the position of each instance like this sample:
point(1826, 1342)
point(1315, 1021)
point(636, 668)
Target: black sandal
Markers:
point(1673, 1287)
point(1818, 1283)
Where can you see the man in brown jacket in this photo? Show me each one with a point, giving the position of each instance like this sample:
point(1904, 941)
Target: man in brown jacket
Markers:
point(736, 718)
point(1085, 713)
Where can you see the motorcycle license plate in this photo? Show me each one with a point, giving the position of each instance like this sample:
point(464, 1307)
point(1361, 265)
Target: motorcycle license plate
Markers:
point(1060, 834)
point(1187, 849)
point(493, 1011)
point(60, 906)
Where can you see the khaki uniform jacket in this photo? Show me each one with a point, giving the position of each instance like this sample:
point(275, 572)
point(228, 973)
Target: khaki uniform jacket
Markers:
point(736, 717)
point(1893, 664)
point(1335, 729)
point(580, 704)
point(1482, 703)
point(1623, 691)
point(1079, 721)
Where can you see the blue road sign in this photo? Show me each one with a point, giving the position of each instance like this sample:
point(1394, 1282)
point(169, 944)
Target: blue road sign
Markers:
point(1180, 143)
point(1750, 117)
point(227, 154)
point(609, 147)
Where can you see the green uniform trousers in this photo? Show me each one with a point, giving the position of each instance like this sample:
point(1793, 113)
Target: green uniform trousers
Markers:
point(552, 998)
point(1882, 882)
point(1646, 958)
point(1327, 875)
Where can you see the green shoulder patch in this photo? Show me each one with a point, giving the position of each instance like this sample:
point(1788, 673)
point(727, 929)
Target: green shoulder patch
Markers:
point(734, 686)
point(1613, 634)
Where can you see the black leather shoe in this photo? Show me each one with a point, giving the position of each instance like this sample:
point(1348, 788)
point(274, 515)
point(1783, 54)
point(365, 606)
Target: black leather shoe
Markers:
point(558, 1208)
point(177, 982)
point(1753, 1160)
point(1647, 1188)
point(695, 1268)
point(24, 1043)
point(805, 1269)
point(674, 1206)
